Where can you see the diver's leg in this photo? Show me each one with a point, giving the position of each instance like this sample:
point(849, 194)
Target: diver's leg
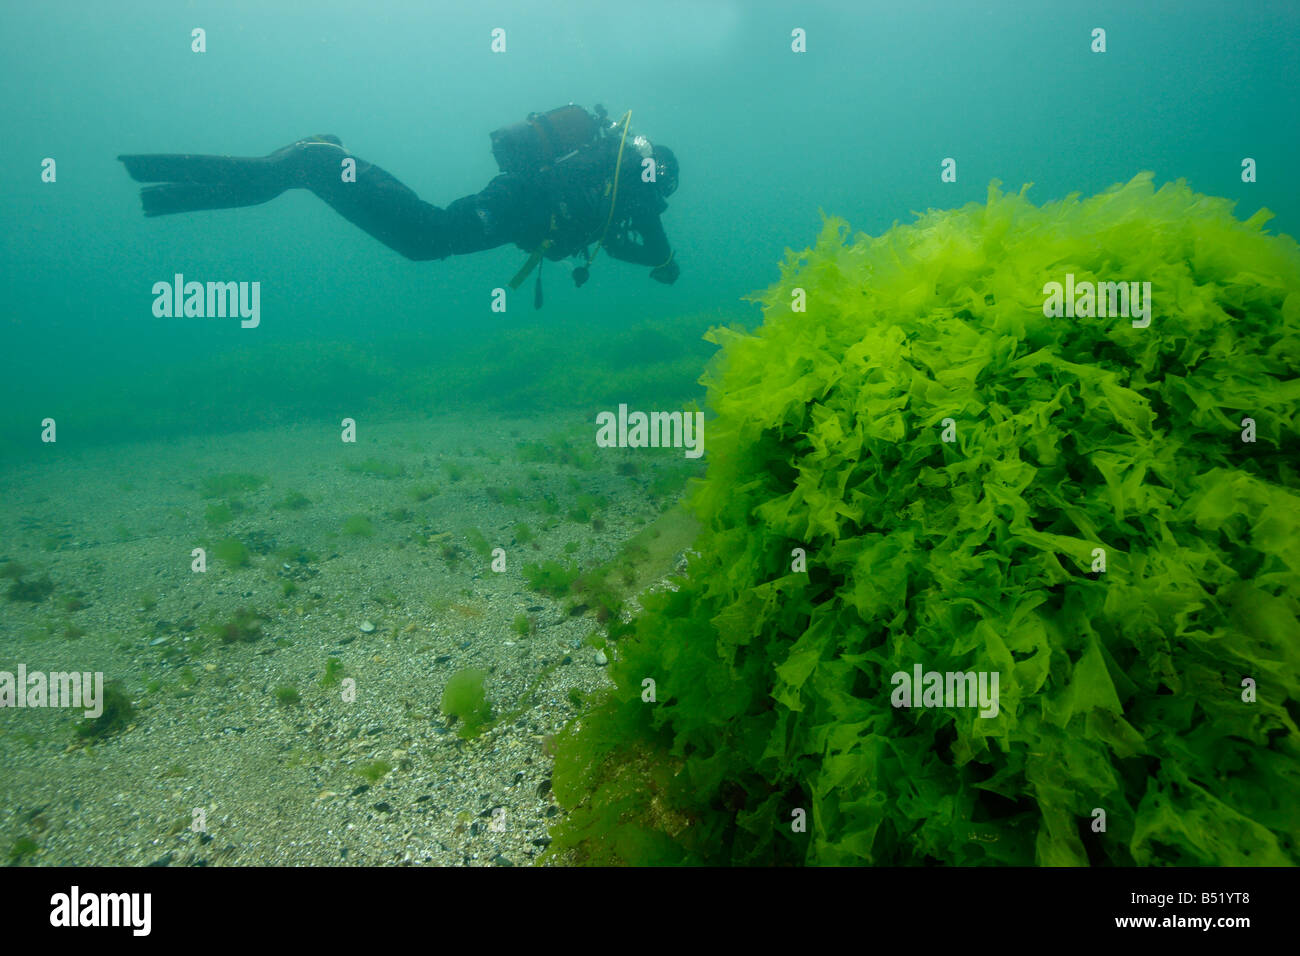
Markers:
point(376, 202)
point(373, 200)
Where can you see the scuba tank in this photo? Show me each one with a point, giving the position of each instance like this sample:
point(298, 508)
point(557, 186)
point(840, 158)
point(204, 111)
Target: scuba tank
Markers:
point(544, 138)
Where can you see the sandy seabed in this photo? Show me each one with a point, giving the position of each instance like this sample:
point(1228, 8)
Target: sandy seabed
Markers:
point(378, 569)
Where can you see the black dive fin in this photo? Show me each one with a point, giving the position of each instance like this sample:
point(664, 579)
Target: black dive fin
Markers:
point(172, 198)
point(186, 168)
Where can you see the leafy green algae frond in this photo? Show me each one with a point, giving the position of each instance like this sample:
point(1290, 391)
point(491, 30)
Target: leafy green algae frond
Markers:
point(1121, 690)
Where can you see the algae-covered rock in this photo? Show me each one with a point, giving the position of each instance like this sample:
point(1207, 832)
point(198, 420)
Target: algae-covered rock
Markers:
point(948, 465)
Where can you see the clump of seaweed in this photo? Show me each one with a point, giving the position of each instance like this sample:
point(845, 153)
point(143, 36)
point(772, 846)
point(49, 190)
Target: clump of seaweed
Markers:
point(244, 627)
point(76, 601)
point(230, 483)
point(231, 551)
point(218, 513)
point(551, 577)
point(286, 695)
point(464, 696)
point(296, 554)
point(505, 496)
point(293, 501)
point(378, 469)
point(423, 492)
point(359, 526)
point(32, 591)
point(372, 771)
point(13, 570)
point(333, 672)
point(20, 849)
point(559, 450)
point(478, 543)
point(116, 716)
point(594, 590)
point(933, 472)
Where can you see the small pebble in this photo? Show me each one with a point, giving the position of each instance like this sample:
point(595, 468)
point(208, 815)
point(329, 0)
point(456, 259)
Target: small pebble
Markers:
point(601, 659)
point(366, 627)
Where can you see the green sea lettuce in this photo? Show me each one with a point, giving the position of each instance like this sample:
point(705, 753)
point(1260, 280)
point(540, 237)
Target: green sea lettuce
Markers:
point(757, 694)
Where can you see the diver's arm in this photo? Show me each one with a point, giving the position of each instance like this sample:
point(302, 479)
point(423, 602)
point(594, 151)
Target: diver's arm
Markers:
point(653, 249)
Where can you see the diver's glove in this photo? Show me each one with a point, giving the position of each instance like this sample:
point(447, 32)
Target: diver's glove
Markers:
point(666, 273)
point(580, 276)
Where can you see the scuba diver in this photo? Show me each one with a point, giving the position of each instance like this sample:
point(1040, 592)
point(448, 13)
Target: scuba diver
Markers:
point(570, 181)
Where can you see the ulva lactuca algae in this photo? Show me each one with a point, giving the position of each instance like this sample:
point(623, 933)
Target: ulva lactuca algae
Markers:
point(1073, 504)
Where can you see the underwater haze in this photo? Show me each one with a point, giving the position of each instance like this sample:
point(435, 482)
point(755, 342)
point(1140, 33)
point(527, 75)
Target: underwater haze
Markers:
point(856, 127)
point(345, 572)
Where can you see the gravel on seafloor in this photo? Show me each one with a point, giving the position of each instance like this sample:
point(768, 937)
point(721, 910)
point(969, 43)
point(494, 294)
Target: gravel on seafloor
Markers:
point(220, 765)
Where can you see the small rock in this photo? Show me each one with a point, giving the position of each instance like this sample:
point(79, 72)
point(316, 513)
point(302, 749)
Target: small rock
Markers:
point(157, 640)
point(601, 659)
point(367, 627)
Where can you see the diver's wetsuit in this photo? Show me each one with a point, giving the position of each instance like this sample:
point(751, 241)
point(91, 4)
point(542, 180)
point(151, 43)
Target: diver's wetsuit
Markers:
point(565, 205)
